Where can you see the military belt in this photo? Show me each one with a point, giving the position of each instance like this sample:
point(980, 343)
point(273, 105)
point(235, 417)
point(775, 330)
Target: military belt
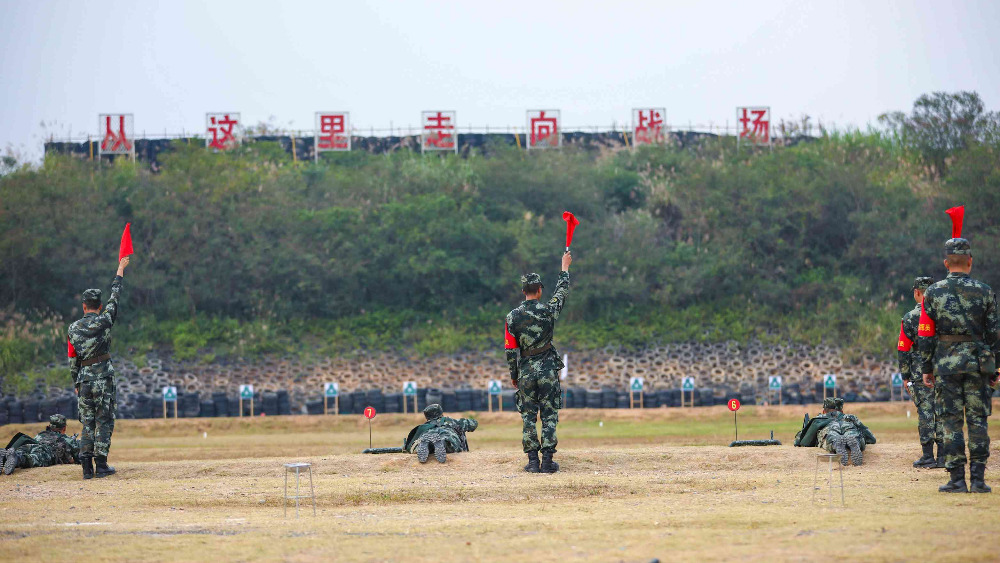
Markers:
point(536, 351)
point(958, 338)
point(97, 360)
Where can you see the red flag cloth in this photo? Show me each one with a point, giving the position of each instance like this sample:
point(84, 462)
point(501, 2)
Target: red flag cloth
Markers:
point(571, 223)
point(957, 214)
point(905, 344)
point(70, 350)
point(926, 327)
point(126, 247)
point(509, 342)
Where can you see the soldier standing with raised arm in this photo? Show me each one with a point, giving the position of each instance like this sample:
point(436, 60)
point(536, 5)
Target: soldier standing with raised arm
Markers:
point(928, 424)
point(89, 352)
point(534, 365)
point(959, 340)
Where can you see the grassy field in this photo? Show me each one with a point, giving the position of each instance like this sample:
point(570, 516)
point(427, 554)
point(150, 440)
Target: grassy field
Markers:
point(634, 486)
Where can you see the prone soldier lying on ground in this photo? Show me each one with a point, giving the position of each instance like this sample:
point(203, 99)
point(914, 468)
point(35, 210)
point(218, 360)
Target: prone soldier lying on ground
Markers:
point(51, 447)
point(440, 434)
point(836, 432)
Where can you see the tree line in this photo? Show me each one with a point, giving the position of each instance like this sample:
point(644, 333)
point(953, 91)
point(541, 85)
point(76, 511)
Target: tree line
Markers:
point(248, 252)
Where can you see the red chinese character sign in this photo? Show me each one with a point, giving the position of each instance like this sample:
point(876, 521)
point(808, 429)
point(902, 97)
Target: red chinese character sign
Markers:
point(222, 130)
point(333, 131)
point(439, 131)
point(648, 126)
point(117, 133)
point(544, 129)
point(754, 124)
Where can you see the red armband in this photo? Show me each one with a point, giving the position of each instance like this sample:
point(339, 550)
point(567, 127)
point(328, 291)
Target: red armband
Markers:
point(70, 350)
point(926, 327)
point(509, 342)
point(905, 344)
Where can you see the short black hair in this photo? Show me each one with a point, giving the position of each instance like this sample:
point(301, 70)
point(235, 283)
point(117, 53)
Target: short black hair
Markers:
point(92, 304)
point(531, 288)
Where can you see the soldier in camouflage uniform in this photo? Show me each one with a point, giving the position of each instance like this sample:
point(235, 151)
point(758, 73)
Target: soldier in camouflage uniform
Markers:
point(958, 342)
point(534, 365)
point(90, 364)
point(836, 432)
point(440, 434)
point(911, 369)
point(51, 447)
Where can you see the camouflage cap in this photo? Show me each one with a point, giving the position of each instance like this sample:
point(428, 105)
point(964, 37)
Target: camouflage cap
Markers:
point(91, 295)
point(959, 246)
point(433, 411)
point(830, 403)
point(922, 283)
point(57, 421)
point(840, 404)
point(530, 278)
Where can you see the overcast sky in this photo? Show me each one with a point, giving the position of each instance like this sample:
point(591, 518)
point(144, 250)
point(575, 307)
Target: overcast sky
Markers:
point(63, 62)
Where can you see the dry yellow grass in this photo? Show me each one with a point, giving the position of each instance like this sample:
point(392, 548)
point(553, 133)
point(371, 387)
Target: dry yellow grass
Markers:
point(642, 485)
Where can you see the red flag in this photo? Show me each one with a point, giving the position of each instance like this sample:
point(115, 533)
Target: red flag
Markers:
point(571, 223)
point(957, 214)
point(126, 247)
point(70, 350)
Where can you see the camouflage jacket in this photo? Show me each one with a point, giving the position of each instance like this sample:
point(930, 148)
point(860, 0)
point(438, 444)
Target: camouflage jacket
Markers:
point(907, 355)
point(530, 327)
point(957, 305)
point(65, 449)
point(808, 436)
point(90, 337)
point(448, 429)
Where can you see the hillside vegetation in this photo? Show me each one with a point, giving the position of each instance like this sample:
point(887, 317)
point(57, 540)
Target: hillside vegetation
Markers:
point(250, 253)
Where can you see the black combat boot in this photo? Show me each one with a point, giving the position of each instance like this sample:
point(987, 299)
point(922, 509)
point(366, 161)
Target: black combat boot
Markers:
point(440, 451)
point(548, 466)
point(940, 457)
point(957, 483)
point(12, 461)
point(102, 469)
point(977, 474)
point(423, 451)
point(87, 461)
point(927, 460)
point(532, 466)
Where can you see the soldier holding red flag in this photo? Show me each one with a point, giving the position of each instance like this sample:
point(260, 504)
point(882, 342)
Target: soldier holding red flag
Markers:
point(534, 365)
point(89, 350)
point(959, 338)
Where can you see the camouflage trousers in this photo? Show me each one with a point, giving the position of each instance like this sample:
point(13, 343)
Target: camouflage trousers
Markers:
point(928, 423)
point(847, 432)
point(36, 455)
point(98, 405)
point(539, 393)
point(964, 394)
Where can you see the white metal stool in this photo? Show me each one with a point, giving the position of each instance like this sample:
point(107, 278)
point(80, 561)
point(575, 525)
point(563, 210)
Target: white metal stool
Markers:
point(829, 481)
point(297, 468)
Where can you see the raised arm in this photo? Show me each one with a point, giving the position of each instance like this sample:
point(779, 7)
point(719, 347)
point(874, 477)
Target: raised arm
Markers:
point(111, 309)
point(558, 298)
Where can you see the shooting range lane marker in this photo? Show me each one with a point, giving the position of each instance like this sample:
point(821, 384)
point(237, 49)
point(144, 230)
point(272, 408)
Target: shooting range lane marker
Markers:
point(734, 405)
point(331, 390)
point(370, 414)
